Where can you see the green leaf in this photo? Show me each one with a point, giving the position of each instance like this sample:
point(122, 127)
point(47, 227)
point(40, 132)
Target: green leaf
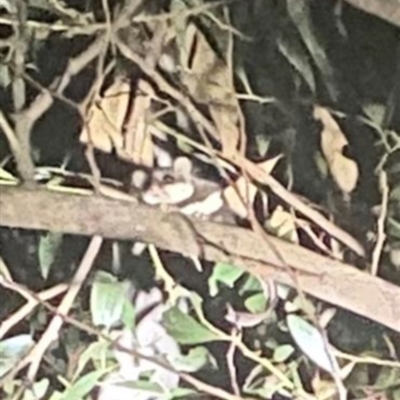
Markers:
point(12, 350)
point(7, 5)
point(83, 385)
point(128, 317)
point(196, 359)
point(182, 393)
point(250, 284)
point(56, 396)
point(396, 394)
point(299, 12)
point(7, 177)
point(311, 342)
point(283, 352)
point(375, 112)
point(5, 76)
point(185, 329)
point(296, 55)
point(256, 303)
point(108, 300)
point(48, 247)
point(388, 378)
point(142, 386)
point(223, 273)
point(37, 391)
point(93, 352)
point(395, 192)
point(393, 229)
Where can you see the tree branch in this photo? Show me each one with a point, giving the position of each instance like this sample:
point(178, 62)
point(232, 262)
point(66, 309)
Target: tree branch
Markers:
point(389, 10)
point(327, 279)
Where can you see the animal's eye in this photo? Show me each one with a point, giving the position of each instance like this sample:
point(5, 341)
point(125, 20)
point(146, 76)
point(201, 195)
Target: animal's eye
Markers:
point(168, 179)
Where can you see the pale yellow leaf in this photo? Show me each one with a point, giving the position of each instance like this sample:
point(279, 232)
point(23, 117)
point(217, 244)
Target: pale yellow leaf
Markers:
point(139, 147)
point(106, 119)
point(226, 121)
point(268, 165)
point(209, 81)
point(240, 196)
point(332, 138)
point(283, 224)
point(198, 56)
point(344, 171)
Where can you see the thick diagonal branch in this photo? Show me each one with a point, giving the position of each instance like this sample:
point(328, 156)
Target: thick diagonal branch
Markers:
point(322, 277)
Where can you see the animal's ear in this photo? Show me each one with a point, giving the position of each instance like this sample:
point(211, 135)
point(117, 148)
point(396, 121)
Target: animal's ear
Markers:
point(140, 179)
point(183, 168)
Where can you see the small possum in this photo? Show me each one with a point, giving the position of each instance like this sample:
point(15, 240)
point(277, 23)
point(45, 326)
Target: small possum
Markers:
point(179, 188)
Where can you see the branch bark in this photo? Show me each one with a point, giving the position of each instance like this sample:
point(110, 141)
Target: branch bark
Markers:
point(329, 280)
point(389, 10)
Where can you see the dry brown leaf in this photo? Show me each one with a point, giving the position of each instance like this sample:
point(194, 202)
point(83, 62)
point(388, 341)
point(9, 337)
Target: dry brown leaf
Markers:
point(105, 123)
point(226, 121)
point(244, 192)
point(343, 170)
point(332, 138)
point(284, 225)
point(209, 81)
point(139, 146)
point(239, 195)
point(198, 59)
point(268, 165)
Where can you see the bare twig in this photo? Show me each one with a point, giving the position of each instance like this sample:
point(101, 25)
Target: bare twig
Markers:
point(18, 86)
point(238, 160)
point(70, 29)
point(52, 331)
point(259, 175)
point(24, 162)
point(62, 9)
point(181, 13)
point(20, 139)
point(230, 359)
point(381, 235)
point(75, 65)
point(163, 85)
point(11, 137)
point(31, 304)
point(198, 384)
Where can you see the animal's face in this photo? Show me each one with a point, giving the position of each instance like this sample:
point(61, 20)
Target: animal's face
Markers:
point(172, 193)
point(170, 186)
point(179, 187)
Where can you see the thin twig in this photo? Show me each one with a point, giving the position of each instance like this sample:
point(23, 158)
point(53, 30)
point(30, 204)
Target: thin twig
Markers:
point(230, 360)
point(52, 331)
point(70, 29)
point(31, 304)
point(24, 161)
point(198, 384)
point(163, 85)
point(11, 137)
point(381, 235)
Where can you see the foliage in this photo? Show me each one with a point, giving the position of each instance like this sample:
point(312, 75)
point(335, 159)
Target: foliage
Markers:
point(94, 93)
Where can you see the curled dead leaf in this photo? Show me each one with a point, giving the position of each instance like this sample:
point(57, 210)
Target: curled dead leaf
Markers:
point(241, 195)
point(138, 145)
point(209, 80)
point(343, 170)
point(284, 225)
point(104, 126)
